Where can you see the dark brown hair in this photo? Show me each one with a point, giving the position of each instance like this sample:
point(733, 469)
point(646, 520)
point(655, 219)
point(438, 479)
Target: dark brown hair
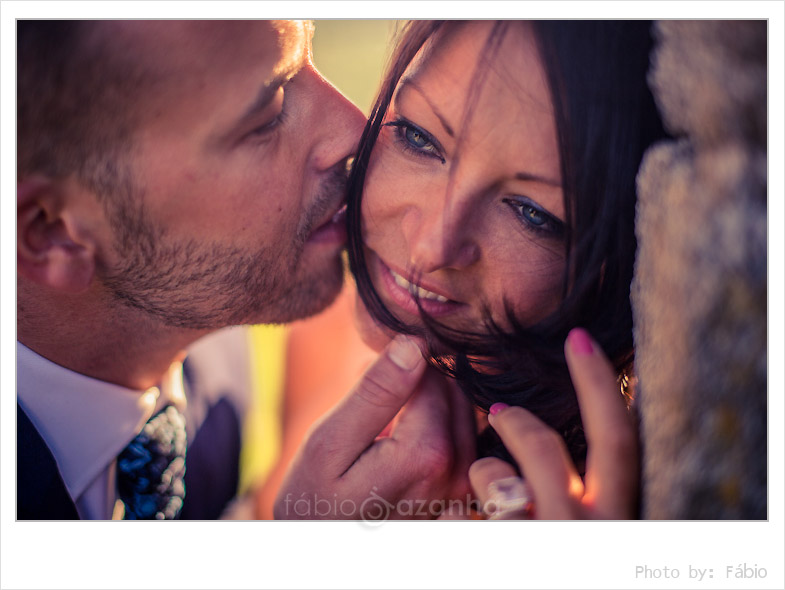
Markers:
point(76, 104)
point(605, 119)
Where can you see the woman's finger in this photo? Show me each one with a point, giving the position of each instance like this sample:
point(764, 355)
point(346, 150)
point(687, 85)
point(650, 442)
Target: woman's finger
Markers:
point(488, 476)
point(417, 460)
point(426, 416)
point(543, 458)
point(351, 427)
point(612, 461)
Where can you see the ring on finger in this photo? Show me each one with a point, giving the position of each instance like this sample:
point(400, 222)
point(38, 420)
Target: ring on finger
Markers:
point(508, 498)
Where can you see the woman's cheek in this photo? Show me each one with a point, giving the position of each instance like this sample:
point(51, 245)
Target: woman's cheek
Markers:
point(537, 296)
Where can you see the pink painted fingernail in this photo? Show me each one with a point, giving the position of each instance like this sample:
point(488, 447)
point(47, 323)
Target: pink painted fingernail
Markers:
point(497, 407)
point(580, 341)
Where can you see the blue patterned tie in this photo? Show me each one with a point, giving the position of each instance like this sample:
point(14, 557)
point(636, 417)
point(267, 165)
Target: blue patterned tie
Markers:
point(150, 469)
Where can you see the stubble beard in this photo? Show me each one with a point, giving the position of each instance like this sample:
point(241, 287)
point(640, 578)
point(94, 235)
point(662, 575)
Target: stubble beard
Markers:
point(206, 286)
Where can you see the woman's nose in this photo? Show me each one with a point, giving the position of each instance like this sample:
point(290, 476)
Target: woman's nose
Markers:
point(439, 237)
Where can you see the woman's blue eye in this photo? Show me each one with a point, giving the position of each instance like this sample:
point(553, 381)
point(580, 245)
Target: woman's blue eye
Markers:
point(533, 215)
point(415, 137)
point(414, 140)
point(534, 218)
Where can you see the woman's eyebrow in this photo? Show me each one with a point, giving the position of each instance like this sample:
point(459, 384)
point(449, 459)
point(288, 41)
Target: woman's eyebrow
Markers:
point(409, 82)
point(528, 177)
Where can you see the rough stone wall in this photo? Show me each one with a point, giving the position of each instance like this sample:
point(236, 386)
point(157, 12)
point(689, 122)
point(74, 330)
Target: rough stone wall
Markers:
point(699, 293)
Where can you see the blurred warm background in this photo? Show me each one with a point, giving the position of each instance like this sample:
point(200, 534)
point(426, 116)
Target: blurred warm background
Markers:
point(352, 54)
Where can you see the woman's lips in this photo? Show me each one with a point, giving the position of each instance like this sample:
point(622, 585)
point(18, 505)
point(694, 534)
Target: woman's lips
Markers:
point(400, 290)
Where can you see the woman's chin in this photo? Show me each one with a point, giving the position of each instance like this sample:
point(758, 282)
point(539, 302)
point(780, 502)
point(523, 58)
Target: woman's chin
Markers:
point(374, 335)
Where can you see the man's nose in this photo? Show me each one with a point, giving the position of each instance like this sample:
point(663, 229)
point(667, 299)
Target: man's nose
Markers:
point(340, 124)
point(439, 235)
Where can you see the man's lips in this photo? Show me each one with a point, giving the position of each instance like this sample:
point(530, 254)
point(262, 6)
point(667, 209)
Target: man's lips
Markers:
point(333, 230)
point(434, 301)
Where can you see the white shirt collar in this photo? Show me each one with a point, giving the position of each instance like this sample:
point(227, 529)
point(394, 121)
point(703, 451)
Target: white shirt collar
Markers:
point(86, 422)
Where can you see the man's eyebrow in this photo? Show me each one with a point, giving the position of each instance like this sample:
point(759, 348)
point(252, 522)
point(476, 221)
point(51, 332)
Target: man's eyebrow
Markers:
point(267, 92)
point(409, 82)
point(281, 77)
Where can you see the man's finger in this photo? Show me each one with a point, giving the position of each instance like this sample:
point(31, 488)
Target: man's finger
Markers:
point(612, 461)
point(351, 427)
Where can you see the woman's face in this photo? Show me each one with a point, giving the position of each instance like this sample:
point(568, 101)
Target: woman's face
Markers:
point(467, 209)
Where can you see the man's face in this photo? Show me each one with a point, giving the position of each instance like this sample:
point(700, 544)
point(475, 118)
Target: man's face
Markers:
point(238, 168)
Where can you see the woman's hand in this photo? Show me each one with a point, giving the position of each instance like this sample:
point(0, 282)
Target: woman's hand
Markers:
point(555, 489)
point(349, 467)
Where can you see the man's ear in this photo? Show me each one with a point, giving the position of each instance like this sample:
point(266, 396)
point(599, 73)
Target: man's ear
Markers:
point(51, 247)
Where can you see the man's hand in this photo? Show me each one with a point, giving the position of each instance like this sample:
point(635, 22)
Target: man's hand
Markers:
point(347, 469)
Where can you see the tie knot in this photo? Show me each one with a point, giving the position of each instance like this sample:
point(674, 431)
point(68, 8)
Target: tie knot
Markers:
point(151, 468)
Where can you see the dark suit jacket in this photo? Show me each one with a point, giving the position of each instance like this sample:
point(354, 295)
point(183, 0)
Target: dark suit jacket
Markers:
point(212, 460)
